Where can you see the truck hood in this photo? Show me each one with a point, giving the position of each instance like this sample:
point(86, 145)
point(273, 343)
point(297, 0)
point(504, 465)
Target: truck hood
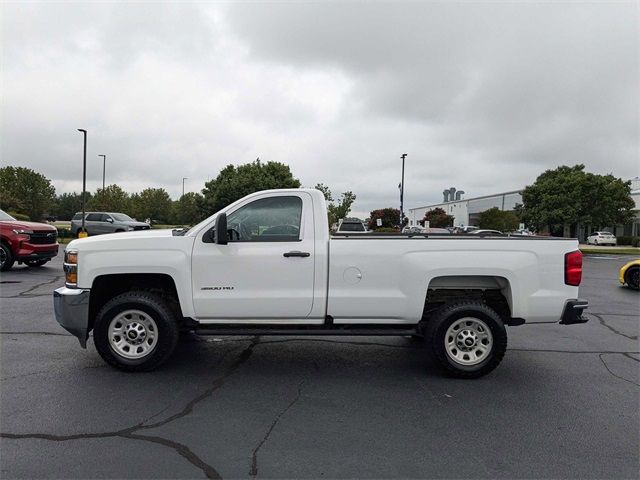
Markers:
point(19, 224)
point(116, 238)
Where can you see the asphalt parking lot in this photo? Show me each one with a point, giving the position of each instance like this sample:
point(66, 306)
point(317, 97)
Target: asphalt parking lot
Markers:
point(563, 403)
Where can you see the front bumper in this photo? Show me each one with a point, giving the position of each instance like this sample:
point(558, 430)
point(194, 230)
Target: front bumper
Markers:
point(72, 311)
point(572, 313)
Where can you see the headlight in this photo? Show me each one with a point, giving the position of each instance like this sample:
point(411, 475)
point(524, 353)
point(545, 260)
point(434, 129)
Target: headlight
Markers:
point(71, 267)
point(25, 233)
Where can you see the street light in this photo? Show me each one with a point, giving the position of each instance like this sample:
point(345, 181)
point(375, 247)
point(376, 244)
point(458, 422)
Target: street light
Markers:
point(104, 168)
point(403, 156)
point(183, 179)
point(84, 180)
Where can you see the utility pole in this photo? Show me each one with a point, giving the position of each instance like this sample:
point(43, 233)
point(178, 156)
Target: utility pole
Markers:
point(183, 179)
point(84, 180)
point(403, 156)
point(104, 168)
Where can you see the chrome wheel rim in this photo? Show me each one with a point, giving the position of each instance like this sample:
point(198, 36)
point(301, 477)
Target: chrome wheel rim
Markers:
point(133, 334)
point(468, 341)
point(3, 257)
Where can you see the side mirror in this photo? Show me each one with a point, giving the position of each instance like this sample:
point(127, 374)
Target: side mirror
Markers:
point(110, 220)
point(221, 235)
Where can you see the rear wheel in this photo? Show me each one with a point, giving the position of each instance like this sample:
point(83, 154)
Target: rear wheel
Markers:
point(136, 331)
point(632, 277)
point(466, 339)
point(6, 257)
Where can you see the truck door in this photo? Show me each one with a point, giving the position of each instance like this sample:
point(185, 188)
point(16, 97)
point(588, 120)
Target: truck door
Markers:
point(266, 271)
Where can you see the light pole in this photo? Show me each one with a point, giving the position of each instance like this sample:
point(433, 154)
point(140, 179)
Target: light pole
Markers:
point(104, 168)
point(84, 177)
point(183, 179)
point(403, 156)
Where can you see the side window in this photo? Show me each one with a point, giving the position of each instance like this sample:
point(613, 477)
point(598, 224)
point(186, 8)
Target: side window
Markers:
point(94, 217)
point(77, 216)
point(105, 218)
point(274, 219)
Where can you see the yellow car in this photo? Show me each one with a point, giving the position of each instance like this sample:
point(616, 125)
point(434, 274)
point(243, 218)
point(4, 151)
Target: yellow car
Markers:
point(630, 274)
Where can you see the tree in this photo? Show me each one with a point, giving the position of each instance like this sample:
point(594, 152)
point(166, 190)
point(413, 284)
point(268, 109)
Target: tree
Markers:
point(571, 196)
point(111, 199)
point(188, 210)
point(68, 204)
point(233, 183)
point(336, 210)
point(26, 191)
point(152, 203)
point(389, 217)
point(437, 218)
point(496, 219)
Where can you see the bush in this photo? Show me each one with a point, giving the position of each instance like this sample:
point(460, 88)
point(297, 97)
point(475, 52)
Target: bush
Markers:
point(386, 230)
point(20, 216)
point(64, 233)
point(627, 240)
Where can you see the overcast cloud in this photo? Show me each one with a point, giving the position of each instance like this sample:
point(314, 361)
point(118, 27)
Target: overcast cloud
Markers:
point(481, 96)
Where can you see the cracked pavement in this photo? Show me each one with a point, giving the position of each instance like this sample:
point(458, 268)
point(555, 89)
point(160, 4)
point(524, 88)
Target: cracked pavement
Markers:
point(563, 403)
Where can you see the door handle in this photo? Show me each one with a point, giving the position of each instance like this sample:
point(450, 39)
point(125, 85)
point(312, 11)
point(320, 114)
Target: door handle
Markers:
point(296, 254)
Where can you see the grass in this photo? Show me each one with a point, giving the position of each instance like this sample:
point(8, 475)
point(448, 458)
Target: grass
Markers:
point(610, 250)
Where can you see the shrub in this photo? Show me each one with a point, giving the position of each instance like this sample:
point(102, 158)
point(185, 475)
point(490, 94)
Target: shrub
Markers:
point(636, 242)
point(20, 216)
point(627, 240)
point(387, 230)
point(64, 233)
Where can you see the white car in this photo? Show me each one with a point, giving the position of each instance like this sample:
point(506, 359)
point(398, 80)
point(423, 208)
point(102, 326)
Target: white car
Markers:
point(267, 265)
point(601, 238)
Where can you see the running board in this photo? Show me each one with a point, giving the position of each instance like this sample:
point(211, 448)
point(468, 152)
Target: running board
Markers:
point(336, 330)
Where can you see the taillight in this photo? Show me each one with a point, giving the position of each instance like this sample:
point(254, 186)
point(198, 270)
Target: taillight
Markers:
point(573, 268)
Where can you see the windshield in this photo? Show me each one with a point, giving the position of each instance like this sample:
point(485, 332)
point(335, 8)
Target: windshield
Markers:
point(121, 217)
point(5, 217)
point(352, 227)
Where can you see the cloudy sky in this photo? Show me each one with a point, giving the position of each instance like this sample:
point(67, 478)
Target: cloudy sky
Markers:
point(482, 96)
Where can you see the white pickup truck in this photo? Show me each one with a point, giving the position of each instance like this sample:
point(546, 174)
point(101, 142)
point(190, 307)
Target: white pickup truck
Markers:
point(267, 265)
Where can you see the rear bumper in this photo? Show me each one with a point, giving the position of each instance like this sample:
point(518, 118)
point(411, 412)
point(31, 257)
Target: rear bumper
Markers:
point(71, 306)
point(572, 313)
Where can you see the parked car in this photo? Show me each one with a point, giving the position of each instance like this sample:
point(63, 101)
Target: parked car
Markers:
point(463, 229)
point(630, 274)
point(487, 233)
point(266, 264)
point(31, 243)
point(97, 223)
point(413, 229)
point(351, 225)
point(601, 238)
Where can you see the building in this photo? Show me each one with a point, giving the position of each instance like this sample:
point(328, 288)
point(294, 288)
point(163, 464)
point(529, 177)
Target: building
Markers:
point(466, 211)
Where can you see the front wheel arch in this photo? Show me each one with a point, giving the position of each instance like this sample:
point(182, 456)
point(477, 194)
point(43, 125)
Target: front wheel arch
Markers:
point(631, 278)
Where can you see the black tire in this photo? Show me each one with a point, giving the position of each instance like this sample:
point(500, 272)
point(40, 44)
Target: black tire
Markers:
point(632, 277)
point(36, 263)
point(152, 305)
point(435, 334)
point(6, 257)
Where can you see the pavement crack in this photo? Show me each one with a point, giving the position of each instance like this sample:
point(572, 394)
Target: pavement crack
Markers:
point(38, 333)
point(25, 294)
point(181, 449)
point(568, 351)
point(254, 457)
point(131, 432)
point(628, 355)
point(617, 332)
point(614, 374)
point(216, 384)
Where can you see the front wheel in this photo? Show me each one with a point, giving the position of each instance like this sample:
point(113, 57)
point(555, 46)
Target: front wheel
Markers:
point(632, 277)
point(136, 331)
point(6, 257)
point(466, 339)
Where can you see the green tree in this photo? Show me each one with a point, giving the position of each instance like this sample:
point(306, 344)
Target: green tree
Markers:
point(496, 219)
point(336, 209)
point(571, 196)
point(188, 210)
point(68, 204)
point(111, 199)
point(152, 203)
point(233, 183)
point(389, 217)
point(26, 191)
point(437, 218)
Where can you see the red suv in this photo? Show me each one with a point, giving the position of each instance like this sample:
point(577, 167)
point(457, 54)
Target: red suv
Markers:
point(26, 242)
